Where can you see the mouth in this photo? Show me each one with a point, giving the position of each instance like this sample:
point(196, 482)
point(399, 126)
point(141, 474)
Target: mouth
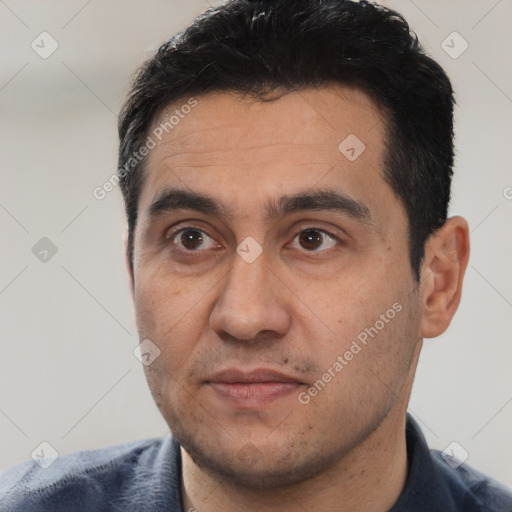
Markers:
point(249, 389)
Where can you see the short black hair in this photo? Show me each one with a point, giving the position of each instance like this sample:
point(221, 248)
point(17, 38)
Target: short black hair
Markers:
point(266, 48)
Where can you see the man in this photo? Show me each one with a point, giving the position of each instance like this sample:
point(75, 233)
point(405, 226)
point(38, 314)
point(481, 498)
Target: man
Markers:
point(286, 170)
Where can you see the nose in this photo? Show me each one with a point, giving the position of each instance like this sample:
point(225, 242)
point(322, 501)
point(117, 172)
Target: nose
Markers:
point(251, 303)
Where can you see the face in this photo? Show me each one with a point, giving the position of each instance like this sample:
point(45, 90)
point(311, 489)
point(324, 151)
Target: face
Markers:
point(271, 270)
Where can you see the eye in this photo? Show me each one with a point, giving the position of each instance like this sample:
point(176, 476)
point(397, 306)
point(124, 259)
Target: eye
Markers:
point(315, 240)
point(192, 239)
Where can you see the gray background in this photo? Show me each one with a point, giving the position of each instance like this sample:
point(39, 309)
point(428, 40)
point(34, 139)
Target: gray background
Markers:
point(68, 375)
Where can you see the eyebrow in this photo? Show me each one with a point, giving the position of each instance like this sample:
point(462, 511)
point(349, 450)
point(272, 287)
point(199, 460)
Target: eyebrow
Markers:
point(171, 200)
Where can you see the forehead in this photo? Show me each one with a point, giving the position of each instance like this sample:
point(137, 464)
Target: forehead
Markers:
point(229, 145)
point(314, 118)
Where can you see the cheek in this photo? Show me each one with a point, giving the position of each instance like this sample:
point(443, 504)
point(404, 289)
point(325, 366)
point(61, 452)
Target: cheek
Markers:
point(361, 380)
point(166, 385)
point(162, 297)
point(372, 324)
point(170, 313)
point(344, 306)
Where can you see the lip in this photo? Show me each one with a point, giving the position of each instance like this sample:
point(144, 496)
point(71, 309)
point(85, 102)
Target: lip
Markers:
point(250, 389)
point(259, 375)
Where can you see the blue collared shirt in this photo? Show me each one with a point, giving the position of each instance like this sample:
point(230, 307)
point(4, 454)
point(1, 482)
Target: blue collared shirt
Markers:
point(146, 476)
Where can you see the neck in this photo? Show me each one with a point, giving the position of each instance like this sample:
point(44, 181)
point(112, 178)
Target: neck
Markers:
point(369, 478)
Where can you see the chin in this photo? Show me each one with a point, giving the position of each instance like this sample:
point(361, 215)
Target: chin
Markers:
point(260, 475)
point(258, 468)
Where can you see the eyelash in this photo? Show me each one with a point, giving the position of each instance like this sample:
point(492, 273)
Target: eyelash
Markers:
point(170, 236)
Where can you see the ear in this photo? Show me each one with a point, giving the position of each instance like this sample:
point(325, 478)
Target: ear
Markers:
point(128, 265)
point(442, 274)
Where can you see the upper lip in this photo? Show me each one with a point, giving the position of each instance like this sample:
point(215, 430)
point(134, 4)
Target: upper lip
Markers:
point(234, 375)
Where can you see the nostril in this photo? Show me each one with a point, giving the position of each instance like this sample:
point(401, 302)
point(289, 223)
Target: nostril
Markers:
point(264, 337)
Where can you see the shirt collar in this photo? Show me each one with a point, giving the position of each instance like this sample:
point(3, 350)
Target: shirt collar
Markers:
point(425, 488)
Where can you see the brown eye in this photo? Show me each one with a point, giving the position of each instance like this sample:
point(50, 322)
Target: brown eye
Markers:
point(191, 239)
point(310, 240)
point(315, 239)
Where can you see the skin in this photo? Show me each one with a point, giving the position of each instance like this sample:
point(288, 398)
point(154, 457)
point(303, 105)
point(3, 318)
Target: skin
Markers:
point(293, 309)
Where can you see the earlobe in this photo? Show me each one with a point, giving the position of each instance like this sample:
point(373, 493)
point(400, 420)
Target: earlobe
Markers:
point(443, 269)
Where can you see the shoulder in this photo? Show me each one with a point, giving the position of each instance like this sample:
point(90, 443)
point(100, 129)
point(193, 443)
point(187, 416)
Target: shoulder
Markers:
point(467, 485)
point(86, 480)
point(439, 482)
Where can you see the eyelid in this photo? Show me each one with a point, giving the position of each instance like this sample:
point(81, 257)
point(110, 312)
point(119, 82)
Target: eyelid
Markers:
point(184, 224)
point(335, 231)
point(339, 240)
point(172, 232)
